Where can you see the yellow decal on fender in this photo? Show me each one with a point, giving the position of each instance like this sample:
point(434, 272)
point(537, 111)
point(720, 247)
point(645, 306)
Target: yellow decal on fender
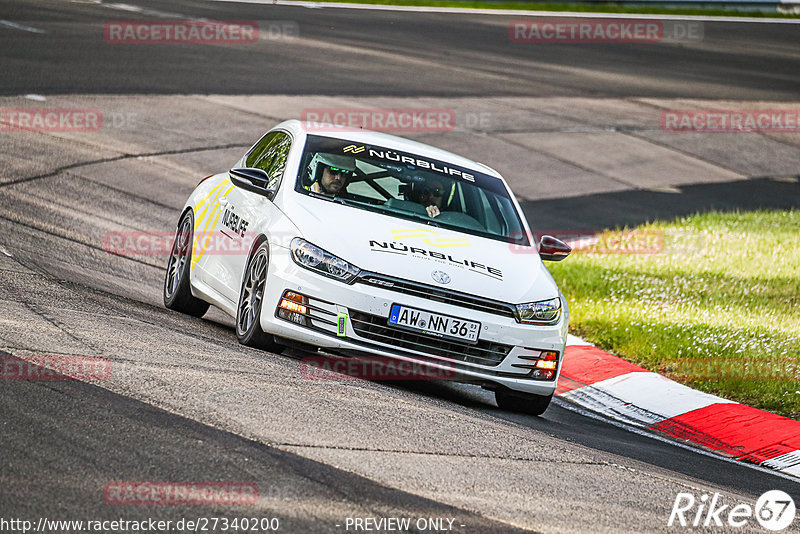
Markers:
point(203, 238)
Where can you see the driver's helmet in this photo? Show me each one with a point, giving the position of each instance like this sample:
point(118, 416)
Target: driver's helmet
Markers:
point(320, 160)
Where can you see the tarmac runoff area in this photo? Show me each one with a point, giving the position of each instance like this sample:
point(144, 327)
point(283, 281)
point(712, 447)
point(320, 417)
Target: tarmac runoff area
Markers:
point(573, 162)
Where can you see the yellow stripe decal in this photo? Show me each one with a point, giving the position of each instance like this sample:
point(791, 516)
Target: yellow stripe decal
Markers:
point(212, 223)
point(209, 233)
point(200, 216)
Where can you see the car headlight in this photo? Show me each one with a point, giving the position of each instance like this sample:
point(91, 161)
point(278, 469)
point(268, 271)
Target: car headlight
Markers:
point(540, 312)
point(316, 259)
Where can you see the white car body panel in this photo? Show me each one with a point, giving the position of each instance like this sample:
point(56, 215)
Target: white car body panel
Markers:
point(375, 242)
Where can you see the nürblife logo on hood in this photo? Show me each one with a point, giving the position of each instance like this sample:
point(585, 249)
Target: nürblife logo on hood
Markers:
point(398, 247)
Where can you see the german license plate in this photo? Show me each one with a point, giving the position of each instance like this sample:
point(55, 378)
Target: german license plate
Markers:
point(434, 324)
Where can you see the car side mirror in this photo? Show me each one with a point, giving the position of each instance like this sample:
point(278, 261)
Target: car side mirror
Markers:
point(254, 180)
point(552, 249)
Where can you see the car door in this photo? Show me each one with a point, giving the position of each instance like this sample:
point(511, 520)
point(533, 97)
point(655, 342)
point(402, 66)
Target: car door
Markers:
point(245, 214)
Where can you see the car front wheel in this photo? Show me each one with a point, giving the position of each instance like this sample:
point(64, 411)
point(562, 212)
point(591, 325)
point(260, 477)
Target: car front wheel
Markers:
point(251, 300)
point(522, 402)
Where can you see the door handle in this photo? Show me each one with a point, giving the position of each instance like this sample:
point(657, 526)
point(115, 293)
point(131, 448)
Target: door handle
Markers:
point(223, 201)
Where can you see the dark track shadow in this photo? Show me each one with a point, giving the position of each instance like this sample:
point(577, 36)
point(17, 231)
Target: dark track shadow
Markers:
point(110, 439)
point(632, 208)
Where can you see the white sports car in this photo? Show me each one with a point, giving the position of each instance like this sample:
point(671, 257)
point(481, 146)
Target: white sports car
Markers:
point(357, 242)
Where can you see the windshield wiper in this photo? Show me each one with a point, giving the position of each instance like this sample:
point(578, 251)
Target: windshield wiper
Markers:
point(345, 201)
point(331, 198)
point(416, 217)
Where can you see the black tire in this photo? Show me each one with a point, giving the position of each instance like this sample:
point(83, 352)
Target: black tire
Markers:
point(522, 402)
point(177, 294)
point(251, 299)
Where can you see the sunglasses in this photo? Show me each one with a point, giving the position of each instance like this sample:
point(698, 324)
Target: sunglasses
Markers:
point(337, 170)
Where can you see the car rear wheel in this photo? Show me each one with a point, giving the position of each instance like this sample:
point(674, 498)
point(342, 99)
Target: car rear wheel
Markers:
point(251, 300)
point(522, 402)
point(177, 294)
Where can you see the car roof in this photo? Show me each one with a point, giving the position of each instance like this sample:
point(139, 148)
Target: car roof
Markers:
point(384, 140)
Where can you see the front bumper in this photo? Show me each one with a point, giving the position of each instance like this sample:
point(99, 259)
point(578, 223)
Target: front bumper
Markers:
point(502, 357)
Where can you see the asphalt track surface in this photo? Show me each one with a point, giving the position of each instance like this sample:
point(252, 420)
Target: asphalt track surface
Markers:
point(186, 403)
point(343, 52)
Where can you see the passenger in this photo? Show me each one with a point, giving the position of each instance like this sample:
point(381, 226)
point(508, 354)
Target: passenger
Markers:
point(331, 173)
point(429, 194)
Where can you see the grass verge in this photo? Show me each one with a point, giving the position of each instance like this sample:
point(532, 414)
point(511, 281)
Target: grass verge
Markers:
point(575, 7)
point(713, 302)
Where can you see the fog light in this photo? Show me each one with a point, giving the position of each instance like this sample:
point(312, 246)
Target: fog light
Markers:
point(293, 308)
point(546, 364)
point(540, 374)
point(297, 297)
point(295, 317)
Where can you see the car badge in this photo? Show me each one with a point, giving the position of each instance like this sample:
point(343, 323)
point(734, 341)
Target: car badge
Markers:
point(441, 277)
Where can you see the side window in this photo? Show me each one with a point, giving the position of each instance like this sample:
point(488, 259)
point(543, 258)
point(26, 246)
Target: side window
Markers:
point(270, 155)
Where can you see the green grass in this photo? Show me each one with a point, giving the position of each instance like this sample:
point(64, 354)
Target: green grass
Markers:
point(717, 308)
point(582, 8)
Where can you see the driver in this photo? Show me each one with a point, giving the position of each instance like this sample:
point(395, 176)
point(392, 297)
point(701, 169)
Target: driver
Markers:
point(331, 173)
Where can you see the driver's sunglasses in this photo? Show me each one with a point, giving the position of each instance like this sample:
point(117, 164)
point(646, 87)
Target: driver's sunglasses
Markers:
point(435, 191)
point(337, 170)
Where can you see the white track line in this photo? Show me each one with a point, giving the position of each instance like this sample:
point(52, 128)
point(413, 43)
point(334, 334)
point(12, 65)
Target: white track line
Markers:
point(513, 12)
point(641, 398)
point(14, 25)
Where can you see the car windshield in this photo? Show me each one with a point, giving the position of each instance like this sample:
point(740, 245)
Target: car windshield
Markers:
point(410, 187)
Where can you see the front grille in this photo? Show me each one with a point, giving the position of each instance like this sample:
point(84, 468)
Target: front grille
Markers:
point(437, 294)
point(374, 328)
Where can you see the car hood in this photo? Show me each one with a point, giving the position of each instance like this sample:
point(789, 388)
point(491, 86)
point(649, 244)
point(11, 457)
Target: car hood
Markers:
point(413, 251)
